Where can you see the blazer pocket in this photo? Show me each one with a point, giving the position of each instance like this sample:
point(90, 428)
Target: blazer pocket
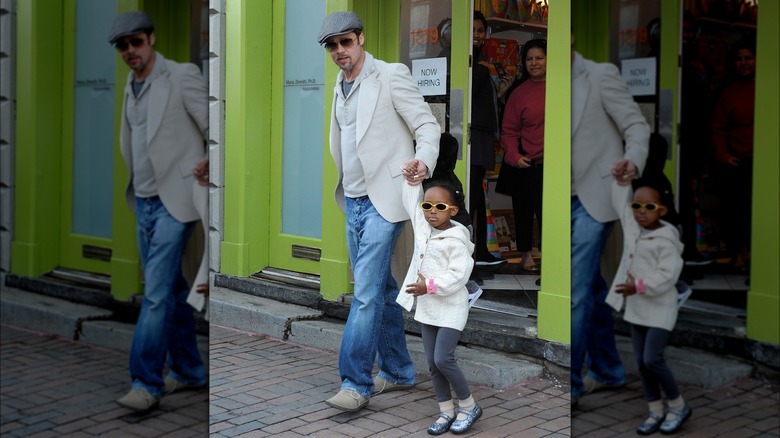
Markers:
point(395, 166)
point(605, 168)
point(185, 170)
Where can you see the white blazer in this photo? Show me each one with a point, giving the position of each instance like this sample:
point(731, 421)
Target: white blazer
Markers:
point(177, 127)
point(391, 115)
point(603, 116)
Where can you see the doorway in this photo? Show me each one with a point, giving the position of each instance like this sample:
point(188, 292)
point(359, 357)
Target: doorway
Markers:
point(717, 81)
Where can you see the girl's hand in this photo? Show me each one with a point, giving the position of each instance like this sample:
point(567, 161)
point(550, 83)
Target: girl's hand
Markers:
point(628, 288)
point(419, 288)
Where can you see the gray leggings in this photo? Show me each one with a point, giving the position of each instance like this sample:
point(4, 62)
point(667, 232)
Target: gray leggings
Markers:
point(649, 344)
point(440, 343)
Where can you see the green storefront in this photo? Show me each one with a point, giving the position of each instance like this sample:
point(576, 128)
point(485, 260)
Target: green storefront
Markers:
point(70, 215)
point(263, 45)
point(264, 217)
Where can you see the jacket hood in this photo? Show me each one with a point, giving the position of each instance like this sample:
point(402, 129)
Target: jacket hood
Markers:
point(668, 232)
point(458, 231)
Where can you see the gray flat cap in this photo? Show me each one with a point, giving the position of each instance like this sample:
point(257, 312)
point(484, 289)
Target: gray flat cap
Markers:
point(338, 23)
point(129, 23)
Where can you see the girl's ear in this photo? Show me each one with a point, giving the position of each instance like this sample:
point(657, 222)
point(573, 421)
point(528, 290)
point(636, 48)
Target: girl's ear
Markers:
point(454, 210)
point(662, 210)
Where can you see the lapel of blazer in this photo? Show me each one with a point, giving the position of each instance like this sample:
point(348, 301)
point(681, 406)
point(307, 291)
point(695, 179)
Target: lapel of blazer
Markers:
point(367, 99)
point(580, 87)
point(159, 92)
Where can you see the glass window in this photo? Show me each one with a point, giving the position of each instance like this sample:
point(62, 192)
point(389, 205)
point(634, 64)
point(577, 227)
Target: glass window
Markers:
point(93, 130)
point(304, 103)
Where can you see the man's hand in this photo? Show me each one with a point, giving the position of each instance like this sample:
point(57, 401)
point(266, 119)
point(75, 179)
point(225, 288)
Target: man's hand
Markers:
point(624, 171)
point(201, 172)
point(203, 289)
point(414, 171)
point(503, 85)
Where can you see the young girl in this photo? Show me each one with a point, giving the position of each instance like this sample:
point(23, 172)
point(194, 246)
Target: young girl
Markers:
point(645, 283)
point(437, 280)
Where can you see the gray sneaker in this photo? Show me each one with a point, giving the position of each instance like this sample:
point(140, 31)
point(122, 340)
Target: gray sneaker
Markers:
point(381, 386)
point(347, 400)
point(138, 400)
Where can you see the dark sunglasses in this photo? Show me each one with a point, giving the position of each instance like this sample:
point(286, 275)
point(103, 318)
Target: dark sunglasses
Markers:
point(346, 43)
point(440, 206)
point(650, 206)
point(122, 45)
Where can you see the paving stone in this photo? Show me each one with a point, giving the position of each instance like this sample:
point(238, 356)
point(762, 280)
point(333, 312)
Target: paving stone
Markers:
point(74, 386)
point(722, 411)
point(293, 393)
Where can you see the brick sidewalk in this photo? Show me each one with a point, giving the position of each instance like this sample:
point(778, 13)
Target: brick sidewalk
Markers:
point(745, 408)
point(55, 387)
point(262, 386)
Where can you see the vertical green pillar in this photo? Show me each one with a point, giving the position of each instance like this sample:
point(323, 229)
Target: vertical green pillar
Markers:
point(763, 309)
point(554, 322)
point(249, 42)
point(35, 249)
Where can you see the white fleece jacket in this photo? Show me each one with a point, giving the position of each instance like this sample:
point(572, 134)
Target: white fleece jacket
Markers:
point(656, 259)
point(446, 259)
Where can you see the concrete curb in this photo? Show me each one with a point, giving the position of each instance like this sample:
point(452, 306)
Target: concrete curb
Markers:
point(690, 366)
point(79, 322)
point(298, 324)
point(47, 314)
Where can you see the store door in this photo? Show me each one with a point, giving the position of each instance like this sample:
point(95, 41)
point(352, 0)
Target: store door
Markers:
point(89, 104)
point(94, 213)
point(296, 170)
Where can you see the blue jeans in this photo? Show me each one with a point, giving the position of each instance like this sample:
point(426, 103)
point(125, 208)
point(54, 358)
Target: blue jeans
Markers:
point(166, 324)
point(375, 323)
point(591, 317)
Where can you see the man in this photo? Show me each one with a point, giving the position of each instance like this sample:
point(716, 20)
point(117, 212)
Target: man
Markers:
point(604, 116)
point(377, 114)
point(164, 124)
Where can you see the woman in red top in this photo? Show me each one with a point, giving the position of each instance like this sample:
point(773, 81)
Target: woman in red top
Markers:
point(732, 135)
point(522, 138)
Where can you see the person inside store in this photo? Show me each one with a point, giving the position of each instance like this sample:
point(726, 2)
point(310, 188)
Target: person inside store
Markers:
point(609, 142)
point(484, 134)
point(371, 99)
point(522, 138)
point(732, 136)
point(163, 130)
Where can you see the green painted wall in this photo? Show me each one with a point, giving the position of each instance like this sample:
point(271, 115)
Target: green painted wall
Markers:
point(554, 323)
point(39, 63)
point(248, 112)
point(42, 209)
point(763, 319)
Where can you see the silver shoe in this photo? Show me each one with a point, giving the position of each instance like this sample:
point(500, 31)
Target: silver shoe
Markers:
point(461, 426)
point(440, 428)
point(672, 426)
